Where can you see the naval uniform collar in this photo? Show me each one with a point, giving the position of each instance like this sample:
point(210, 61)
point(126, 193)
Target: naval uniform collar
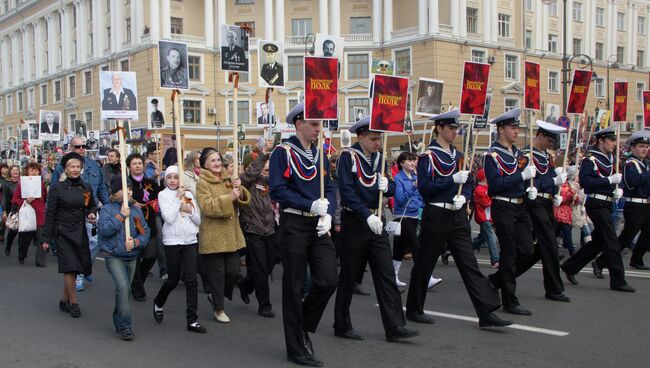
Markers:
point(296, 145)
point(594, 150)
point(436, 147)
point(501, 148)
point(640, 161)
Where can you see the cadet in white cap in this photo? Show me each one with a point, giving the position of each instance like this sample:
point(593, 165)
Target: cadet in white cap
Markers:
point(507, 183)
point(599, 181)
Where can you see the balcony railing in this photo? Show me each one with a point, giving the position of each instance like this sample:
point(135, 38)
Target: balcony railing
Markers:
point(193, 41)
point(362, 39)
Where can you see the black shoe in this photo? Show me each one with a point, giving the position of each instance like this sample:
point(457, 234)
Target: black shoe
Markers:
point(243, 293)
point(358, 289)
point(492, 320)
point(419, 317)
point(140, 298)
point(75, 312)
point(494, 282)
point(639, 266)
point(561, 256)
point(306, 360)
point(196, 327)
point(21, 260)
point(64, 306)
point(269, 313)
point(558, 297)
point(625, 288)
point(126, 334)
point(597, 270)
point(445, 258)
point(306, 341)
point(351, 334)
point(569, 276)
point(518, 310)
point(399, 333)
point(157, 315)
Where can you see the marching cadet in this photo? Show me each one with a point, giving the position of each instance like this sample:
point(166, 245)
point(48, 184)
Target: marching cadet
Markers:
point(305, 222)
point(363, 237)
point(541, 198)
point(599, 181)
point(636, 190)
point(507, 178)
point(445, 222)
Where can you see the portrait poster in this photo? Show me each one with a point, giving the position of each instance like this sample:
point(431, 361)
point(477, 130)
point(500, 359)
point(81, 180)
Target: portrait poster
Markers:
point(92, 140)
point(532, 86)
point(388, 104)
point(33, 132)
point(321, 88)
point(328, 46)
point(155, 113)
point(620, 101)
point(646, 109)
point(265, 113)
point(174, 65)
point(382, 66)
point(579, 91)
point(552, 113)
point(331, 125)
point(118, 91)
point(50, 121)
point(234, 49)
point(80, 128)
point(360, 113)
point(106, 140)
point(429, 97)
point(474, 88)
point(346, 139)
point(270, 56)
point(30, 186)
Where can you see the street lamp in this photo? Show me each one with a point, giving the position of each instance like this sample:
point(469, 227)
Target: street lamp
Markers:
point(611, 64)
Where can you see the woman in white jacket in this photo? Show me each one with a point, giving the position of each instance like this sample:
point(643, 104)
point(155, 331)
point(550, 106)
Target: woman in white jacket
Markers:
point(182, 218)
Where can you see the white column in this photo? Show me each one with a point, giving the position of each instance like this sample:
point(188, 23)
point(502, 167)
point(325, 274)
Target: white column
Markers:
point(4, 50)
point(279, 17)
point(494, 32)
point(462, 18)
point(27, 54)
point(99, 28)
point(335, 16)
point(154, 20)
point(38, 48)
point(453, 16)
point(66, 37)
point(268, 19)
point(134, 23)
point(376, 21)
point(589, 29)
point(569, 27)
point(15, 59)
point(117, 24)
point(388, 20)
point(166, 20)
point(631, 33)
point(545, 28)
point(539, 25)
point(323, 17)
point(208, 10)
point(139, 29)
point(82, 32)
point(434, 23)
point(51, 43)
point(611, 35)
point(422, 17)
point(487, 20)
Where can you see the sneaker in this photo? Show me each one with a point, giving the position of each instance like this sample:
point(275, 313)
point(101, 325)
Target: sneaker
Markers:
point(75, 311)
point(157, 313)
point(126, 334)
point(399, 283)
point(164, 277)
point(433, 282)
point(89, 278)
point(220, 316)
point(79, 284)
point(494, 264)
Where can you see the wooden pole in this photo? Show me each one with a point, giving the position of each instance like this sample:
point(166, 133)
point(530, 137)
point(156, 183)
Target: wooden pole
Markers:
point(159, 163)
point(179, 145)
point(424, 134)
point(469, 129)
point(618, 148)
point(382, 167)
point(471, 160)
point(125, 193)
point(321, 163)
point(235, 131)
point(568, 145)
point(531, 154)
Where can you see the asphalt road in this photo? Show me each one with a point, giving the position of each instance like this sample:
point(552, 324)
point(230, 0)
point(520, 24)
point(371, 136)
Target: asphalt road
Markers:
point(599, 328)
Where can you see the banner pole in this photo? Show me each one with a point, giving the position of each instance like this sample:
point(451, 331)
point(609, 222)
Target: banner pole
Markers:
point(469, 129)
point(471, 160)
point(568, 145)
point(531, 154)
point(321, 163)
point(179, 145)
point(125, 193)
point(235, 136)
point(382, 167)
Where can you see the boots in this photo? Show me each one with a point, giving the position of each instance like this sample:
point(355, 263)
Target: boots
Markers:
point(396, 266)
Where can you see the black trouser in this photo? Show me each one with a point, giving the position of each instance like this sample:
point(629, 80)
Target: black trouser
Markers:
point(181, 256)
point(301, 246)
point(361, 245)
point(161, 259)
point(259, 264)
point(408, 238)
point(25, 239)
point(515, 233)
point(442, 227)
point(637, 217)
point(603, 239)
point(544, 224)
point(222, 270)
point(146, 260)
point(9, 239)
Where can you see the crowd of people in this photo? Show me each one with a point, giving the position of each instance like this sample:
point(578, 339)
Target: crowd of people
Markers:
point(208, 220)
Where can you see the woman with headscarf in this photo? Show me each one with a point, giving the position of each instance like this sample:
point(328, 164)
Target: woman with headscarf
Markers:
point(69, 204)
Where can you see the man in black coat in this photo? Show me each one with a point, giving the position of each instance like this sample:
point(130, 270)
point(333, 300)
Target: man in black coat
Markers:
point(117, 97)
point(233, 56)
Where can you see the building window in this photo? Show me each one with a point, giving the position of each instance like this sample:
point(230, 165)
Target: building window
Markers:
point(640, 87)
point(191, 112)
point(74, 17)
point(128, 29)
point(88, 82)
point(640, 58)
point(504, 25)
point(108, 37)
point(300, 26)
point(403, 62)
point(30, 98)
point(577, 11)
point(71, 119)
point(640, 25)
point(620, 54)
point(10, 105)
point(358, 66)
point(472, 20)
point(124, 65)
point(360, 25)
point(244, 2)
point(639, 122)
point(599, 88)
point(528, 39)
point(296, 68)
point(90, 10)
point(512, 67)
point(511, 103)
point(57, 91)
point(600, 51)
point(104, 68)
point(620, 21)
point(194, 67)
point(478, 56)
point(91, 44)
point(176, 25)
point(250, 25)
point(88, 115)
point(74, 50)
point(553, 78)
point(552, 9)
point(577, 46)
point(108, 6)
point(600, 17)
point(72, 85)
point(43, 94)
point(357, 102)
point(528, 5)
point(243, 115)
point(19, 101)
point(552, 43)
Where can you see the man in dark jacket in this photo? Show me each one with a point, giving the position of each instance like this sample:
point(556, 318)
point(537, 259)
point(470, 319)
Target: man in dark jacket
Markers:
point(112, 166)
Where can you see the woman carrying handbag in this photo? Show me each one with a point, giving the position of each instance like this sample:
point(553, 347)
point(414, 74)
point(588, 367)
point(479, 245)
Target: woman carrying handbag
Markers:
point(25, 238)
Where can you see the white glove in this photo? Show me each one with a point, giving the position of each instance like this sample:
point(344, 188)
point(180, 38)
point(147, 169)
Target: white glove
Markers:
point(382, 184)
point(375, 224)
point(461, 177)
point(615, 178)
point(324, 225)
point(618, 192)
point(532, 193)
point(559, 179)
point(559, 170)
point(459, 201)
point(557, 200)
point(319, 207)
point(529, 172)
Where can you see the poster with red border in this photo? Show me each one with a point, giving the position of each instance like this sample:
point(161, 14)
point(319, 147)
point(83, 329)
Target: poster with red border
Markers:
point(620, 101)
point(388, 107)
point(646, 109)
point(321, 88)
point(579, 91)
point(474, 88)
point(532, 86)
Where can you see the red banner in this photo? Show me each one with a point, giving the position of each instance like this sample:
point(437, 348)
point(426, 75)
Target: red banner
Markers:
point(646, 109)
point(579, 91)
point(620, 101)
point(475, 85)
point(321, 88)
point(532, 87)
point(388, 108)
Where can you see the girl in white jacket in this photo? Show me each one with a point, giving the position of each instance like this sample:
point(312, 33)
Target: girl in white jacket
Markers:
point(181, 217)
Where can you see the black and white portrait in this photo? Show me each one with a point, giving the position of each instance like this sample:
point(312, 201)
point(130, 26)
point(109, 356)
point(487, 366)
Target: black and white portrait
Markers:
point(359, 113)
point(329, 46)
point(173, 61)
point(552, 113)
point(234, 49)
point(80, 128)
point(92, 140)
point(429, 97)
point(33, 132)
point(270, 54)
point(265, 114)
point(155, 112)
point(50, 122)
point(118, 95)
point(9, 149)
point(105, 139)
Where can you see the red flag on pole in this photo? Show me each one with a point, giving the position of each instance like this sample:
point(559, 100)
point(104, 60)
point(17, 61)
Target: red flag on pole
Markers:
point(646, 109)
point(388, 108)
point(620, 101)
point(579, 91)
point(474, 88)
point(532, 87)
point(321, 88)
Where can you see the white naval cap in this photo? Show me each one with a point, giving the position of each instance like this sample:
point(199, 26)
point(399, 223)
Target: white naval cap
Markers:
point(549, 129)
point(361, 125)
point(297, 112)
point(508, 118)
point(448, 118)
point(642, 136)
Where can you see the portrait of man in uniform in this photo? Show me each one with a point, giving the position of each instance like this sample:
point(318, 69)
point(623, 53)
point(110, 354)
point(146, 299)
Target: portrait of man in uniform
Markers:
point(271, 70)
point(173, 60)
point(429, 97)
point(92, 142)
point(33, 132)
point(234, 49)
point(156, 113)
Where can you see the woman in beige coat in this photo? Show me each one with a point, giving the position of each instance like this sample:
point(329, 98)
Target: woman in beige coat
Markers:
point(219, 195)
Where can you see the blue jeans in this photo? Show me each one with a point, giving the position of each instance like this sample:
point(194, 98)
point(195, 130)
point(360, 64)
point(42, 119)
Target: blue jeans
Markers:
point(122, 272)
point(486, 235)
